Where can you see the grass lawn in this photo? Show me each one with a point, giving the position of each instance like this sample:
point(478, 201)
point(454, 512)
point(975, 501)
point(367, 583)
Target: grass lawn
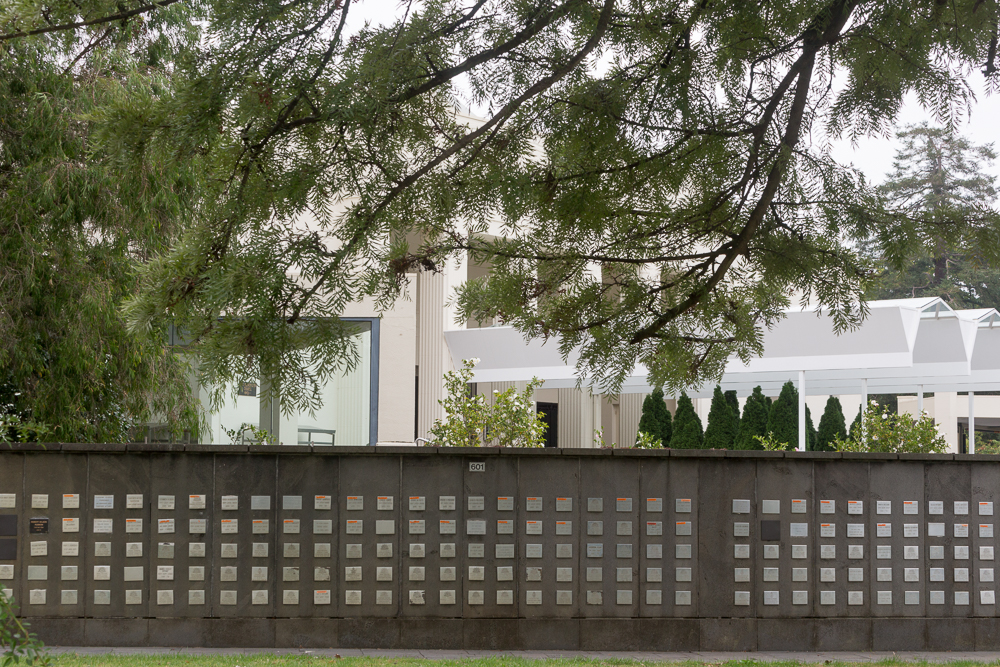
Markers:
point(264, 660)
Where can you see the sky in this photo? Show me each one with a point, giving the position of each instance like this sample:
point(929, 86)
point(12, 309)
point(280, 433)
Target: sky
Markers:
point(873, 156)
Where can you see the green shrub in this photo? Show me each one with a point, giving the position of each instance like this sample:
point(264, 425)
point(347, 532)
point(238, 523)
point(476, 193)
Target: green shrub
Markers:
point(884, 431)
point(722, 423)
point(655, 420)
point(783, 422)
point(754, 421)
point(831, 425)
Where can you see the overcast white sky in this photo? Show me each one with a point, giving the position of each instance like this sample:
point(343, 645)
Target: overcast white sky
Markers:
point(872, 156)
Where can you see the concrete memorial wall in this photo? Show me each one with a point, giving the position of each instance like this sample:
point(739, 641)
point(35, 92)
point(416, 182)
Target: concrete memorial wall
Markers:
point(482, 548)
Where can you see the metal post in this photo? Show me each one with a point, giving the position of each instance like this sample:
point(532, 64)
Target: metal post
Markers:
point(802, 411)
point(920, 401)
point(864, 404)
point(972, 422)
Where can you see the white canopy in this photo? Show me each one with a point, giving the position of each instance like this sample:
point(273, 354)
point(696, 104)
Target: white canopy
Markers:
point(903, 344)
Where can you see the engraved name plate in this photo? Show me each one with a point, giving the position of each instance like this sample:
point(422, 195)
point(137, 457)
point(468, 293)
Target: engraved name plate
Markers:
point(446, 503)
point(828, 507)
point(291, 502)
point(564, 504)
point(133, 501)
point(505, 503)
point(230, 503)
point(533, 504)
point(196, 502)
point(322, 502)
point(418, 503)
point(476, 503)
point(71, 501)
point(383, 502)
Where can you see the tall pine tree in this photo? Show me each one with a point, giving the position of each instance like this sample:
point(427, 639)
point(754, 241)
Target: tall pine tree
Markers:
point(722, 424)
point(754, 421)
point(687, 426)
point(655, 419)
point(783, 422)
point(831, 425)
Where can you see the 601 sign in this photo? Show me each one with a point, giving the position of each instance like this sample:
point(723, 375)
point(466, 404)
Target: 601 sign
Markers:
point(477, 466)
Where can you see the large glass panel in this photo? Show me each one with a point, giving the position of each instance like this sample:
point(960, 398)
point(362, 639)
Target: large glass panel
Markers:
point(343, 419)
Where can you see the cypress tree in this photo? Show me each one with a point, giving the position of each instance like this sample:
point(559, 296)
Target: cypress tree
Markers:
point(687, 426)
point(783, 422)
point(734, 403)
point(754, 421)
point(722, 424)
point(655, 419)
point(831, 425)
point(811, 436)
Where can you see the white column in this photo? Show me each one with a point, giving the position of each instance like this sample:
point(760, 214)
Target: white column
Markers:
point(972, 422)
point(864, 395)
point(430, 349)
point(629, 413)
point(920, 400)
point(802, 411)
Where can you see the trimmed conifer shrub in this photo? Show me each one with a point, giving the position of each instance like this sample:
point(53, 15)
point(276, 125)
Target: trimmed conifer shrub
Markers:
point(721, 430)
point(831, 425)
point(687, 426)
point(754, 421)
point(656, 420)
point(783, 422)
point(811, 437)
point(734, 403)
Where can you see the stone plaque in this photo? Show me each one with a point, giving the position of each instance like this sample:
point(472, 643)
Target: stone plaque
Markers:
point(448, 550)
point(289, 574)
point(291, 502)
point(230, 526)
point(505, 573)
point(741, 598)
point(505, 503)
point(911, 507)
point(564, 551)
point(447, 526)
point(39, 548)
point(101, 502)
point(799, 574)
point(134, 573)
point(102, 597)
point(196, 573)
point(855, 574)
point(564, 504)
point(476, 503)
point(533, 504)
point(165, 526)
point(770, 507)
point(383, 503)
point(961, 507)
point(477, 550)
point(505, 527)
point(595, 504)
point(322, 502)
point(799, 529)
point(533, 597)
point(68, 597)
point(935, 530)
point(259, 550)
point(623, 504)
point(625, 527)
point(799, 506)
point(227, 598)
point(417, 527)
point(682, 528)
point(827, 530)
point(70, 501)
point(70, 548)
point(230, 503)
point(855, 530)
point(855, 551)
point(133, 525)
point(935, 507)
point(133, 550)
point(961, 530)
point(883, 507)
point(260, 502)
point(595, 550)
point(196, 550)
point(911, 552)
point(352, 573)
point(986, 509)
point(505, 551)
point(827, 507)
point(418, 503)
point(102, 549)
point(770, 598)
point(417, 597)
point(883, 552)
point(827, 551)
point(681, 551)
point(800, 551)
point(416, 574)
point(355, 504)
point(133, 501)
point(229, 550)
point(447, 573)
point(355, 527)
point(319, 597)
point(623, 551)
point(654, 528)
point(353, 551)
point(291, 526)
point(911, 530)
point(533, 551)
point(855, 507)
point(291, 550)
point(41, 572)
point(883, 530)
point(476, 597)
point(741, 529)
point(446, 503)
point(197, 526)
point(196, 502)
point(741, 506)
point(385, 527)
point(260, 526)
point(936, 552)
point(164, 572)
point(595, 527)
point(986, 530)
point(743, 550)
point(104, 526)
point(478, 527)
point(323, 526)
point(196, 597)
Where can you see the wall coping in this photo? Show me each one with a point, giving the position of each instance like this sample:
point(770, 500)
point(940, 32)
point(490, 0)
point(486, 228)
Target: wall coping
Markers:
point(389, 450)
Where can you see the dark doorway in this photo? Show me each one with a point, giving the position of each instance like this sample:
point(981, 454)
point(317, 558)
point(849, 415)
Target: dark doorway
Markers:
point(550, 417)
